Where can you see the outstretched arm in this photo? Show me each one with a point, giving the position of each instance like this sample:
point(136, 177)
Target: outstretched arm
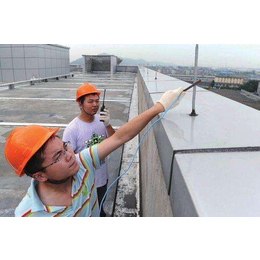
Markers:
point(128, 131)
point(135, 126)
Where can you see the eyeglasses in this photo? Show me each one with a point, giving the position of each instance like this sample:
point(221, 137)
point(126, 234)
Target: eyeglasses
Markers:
point(66, 145)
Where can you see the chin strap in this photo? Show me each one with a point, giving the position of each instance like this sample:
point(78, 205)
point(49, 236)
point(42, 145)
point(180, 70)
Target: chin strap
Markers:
point(58, 182)
point(86, 112)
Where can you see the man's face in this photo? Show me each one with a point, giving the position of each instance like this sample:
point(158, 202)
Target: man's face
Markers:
point(65, 161)
point(91, 104)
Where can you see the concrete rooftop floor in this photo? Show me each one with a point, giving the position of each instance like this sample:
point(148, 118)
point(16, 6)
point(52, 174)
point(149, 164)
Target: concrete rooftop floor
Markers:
point(53, 103)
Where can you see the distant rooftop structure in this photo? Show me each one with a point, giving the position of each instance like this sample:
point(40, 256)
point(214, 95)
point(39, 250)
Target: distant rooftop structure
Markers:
point(20, 62)
point(100, 63)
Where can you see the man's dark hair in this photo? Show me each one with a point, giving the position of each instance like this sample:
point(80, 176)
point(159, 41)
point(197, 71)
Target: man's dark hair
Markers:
point(82, 99)
point(35, 163)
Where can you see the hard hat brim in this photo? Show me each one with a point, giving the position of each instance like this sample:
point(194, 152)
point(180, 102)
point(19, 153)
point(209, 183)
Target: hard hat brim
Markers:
point(20, 172)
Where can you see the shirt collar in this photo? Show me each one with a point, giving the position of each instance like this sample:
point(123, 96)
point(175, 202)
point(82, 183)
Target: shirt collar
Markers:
point(37, 204)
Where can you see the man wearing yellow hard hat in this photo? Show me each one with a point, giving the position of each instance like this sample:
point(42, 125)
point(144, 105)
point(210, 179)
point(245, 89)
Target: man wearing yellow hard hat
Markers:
point(63, 183)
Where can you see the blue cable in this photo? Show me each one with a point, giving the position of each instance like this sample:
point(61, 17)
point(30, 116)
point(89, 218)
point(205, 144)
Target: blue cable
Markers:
point(137, 149)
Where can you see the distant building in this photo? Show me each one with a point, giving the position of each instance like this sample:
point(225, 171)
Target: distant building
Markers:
point(20, 62)
point(232, 82)
point(76, 68)
point(96, 63)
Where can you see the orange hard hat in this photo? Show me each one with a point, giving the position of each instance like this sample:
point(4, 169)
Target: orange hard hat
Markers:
point(23, 142)
point(86, 89)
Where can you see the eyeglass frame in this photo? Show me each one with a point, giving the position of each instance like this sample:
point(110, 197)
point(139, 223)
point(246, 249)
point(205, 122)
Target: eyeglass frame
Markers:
point(66, 145)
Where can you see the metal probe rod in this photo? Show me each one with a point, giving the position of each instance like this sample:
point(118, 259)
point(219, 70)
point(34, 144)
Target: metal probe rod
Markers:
point(194, 84)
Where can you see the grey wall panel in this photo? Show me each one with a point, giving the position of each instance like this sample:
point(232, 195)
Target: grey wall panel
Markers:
point(58, 54)
point(19, 74)
point(48, 72)
point(18, 52)
point(8, 75)
point(31, 52)
point(1, 80)
point(113, 63)
point(31, 58)
point(53, 53)
point(18, 63)
point(47, 52)
point(5, 52)
point(29, 45)
point(42, 73)
point(31, 63)
point(48, 63)
point(59, 62)
point(17, 45)
point(53, 63)
point(64, 55)
point(41, 52)
point(6, 63)
point(41, 63)
point(54, 71)
point(63, 63)
point(32, 72)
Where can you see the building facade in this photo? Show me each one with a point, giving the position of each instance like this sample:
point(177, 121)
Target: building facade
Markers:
point(229, 81)
point(96, 63)
point(20, 62)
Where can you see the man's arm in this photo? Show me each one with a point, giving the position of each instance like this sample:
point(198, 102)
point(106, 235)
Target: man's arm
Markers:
point(110, 130)
point(135, 126)
point(128, 131)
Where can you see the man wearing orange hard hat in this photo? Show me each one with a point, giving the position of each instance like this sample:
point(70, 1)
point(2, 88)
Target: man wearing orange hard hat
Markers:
point(63, 184)
point(87, 129)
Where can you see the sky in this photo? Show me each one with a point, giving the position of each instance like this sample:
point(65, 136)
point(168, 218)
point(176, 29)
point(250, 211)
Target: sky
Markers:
point(213, 55)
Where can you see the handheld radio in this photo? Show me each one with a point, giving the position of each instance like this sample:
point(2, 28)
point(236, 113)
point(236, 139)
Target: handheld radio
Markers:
point(103, 105)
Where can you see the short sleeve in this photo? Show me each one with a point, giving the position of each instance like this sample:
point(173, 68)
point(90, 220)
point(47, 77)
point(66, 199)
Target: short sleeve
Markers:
point(89, 158)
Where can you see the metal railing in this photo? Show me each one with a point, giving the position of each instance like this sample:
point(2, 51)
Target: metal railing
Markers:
point(11, 85)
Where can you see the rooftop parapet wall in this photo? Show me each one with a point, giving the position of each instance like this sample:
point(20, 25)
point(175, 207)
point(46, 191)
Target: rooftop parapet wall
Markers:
point(210, 162)
point(133, 69)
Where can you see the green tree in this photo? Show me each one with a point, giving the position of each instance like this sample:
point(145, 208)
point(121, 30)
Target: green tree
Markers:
point(250, 86)
point(212, 84)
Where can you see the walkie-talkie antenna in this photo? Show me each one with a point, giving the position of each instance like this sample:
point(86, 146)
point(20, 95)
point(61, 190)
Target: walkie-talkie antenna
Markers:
point(103, 105)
